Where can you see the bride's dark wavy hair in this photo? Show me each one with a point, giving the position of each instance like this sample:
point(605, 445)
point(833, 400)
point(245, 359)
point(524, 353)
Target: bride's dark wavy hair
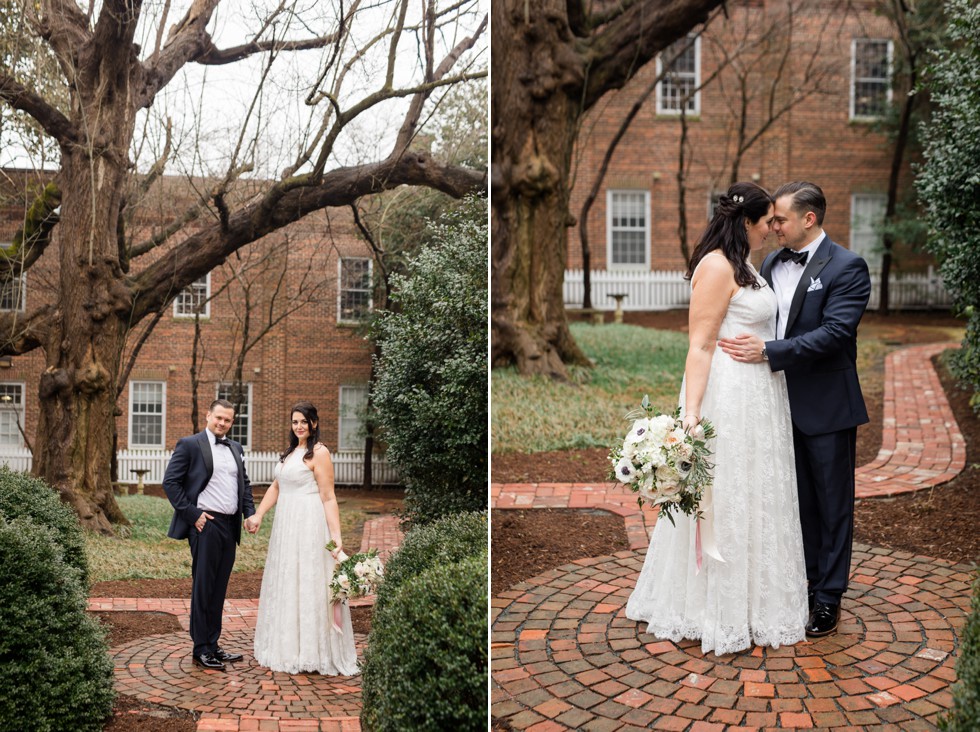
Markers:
point(726, 231)
point(308, 411)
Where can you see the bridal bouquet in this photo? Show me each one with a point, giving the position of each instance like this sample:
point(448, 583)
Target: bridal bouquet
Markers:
point(355, 576)
point(662, 463)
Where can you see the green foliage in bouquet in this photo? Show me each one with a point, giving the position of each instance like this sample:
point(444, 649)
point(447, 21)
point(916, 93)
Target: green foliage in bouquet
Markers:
point(426, 663)
point(965, 715)
point(22, 496)
point(430, 394)
point(446, 541)
point(661, 463)
point(55, 670)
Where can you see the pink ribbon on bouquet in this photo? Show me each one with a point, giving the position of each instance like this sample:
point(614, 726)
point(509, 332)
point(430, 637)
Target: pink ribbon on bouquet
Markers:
point(338, 614)
point(704, 538)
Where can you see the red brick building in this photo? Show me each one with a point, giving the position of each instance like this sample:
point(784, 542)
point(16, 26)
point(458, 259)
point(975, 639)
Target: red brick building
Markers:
point(314, 277)
point(810, 80)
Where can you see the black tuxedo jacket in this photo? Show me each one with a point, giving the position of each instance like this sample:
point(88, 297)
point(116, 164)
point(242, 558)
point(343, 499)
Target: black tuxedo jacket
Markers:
point(187, 476)
point(819, 350)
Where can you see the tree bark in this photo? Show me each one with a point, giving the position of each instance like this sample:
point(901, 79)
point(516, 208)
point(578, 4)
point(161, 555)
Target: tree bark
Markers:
point(547, 72)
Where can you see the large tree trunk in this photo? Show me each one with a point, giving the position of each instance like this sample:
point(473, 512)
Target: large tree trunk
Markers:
point(84, 349)
point(552, 60)
point(535, 124)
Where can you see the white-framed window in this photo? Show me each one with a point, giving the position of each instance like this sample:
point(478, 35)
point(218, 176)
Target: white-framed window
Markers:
point(13, 293)
point(241, 429)
point(354, 293)
point(147, 413)
point(871, 77)
point(11, 414)
point(353, 402)
point(867, 216)
point(628, 229)
point(679, 85)
point(196, 295)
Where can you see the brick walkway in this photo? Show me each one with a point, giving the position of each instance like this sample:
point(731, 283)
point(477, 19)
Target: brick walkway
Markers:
point(564, 656)
point(246, 696)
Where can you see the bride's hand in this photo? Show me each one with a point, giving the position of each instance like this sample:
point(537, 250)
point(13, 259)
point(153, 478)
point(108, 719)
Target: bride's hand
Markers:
point(692, 426)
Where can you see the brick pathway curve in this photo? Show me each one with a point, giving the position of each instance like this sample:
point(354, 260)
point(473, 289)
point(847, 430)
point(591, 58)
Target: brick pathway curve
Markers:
point(564, 656)
point(246, 696)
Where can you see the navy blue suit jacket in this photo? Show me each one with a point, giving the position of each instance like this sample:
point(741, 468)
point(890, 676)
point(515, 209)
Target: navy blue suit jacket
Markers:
point(187, 476)
point(819, 350)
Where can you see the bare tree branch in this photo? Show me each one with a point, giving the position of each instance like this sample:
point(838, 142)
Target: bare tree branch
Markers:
point(51, 120)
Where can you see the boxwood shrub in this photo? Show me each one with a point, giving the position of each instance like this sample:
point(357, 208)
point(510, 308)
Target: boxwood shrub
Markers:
point(55, 670)
point(426, 663)
point(445, 541)
point(22, 496)
point(965, 715)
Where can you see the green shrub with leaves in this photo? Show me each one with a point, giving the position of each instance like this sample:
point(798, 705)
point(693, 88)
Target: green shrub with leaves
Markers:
point(445, 541)
point(22, 496)
point(55, 670)
point(430, 394)
point(965, 716)
point(426, 663)
point(948, 180)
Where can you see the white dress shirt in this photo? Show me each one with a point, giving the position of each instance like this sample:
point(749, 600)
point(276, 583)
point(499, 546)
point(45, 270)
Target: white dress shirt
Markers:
point(785, 279)
point(221, 493)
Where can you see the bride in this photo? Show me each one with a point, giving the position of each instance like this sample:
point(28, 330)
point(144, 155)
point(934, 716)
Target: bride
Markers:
point(757, 594)
point(294, 630)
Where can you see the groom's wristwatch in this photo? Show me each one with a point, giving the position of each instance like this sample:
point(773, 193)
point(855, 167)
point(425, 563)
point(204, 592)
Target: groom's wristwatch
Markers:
point(765, 356)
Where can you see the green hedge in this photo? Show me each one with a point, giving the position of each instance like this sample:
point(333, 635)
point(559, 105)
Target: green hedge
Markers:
point(22, 496)
point(55, 671)
point(426, 663)
point(965, 716)
point(430, 393)
point(446, 541)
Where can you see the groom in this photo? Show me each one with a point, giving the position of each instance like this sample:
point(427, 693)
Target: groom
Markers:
point(209, 490)
point(822, 290)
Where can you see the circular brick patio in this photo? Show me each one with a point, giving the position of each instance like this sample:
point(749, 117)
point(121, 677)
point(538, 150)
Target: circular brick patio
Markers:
point(566, 657)
point(159, 669)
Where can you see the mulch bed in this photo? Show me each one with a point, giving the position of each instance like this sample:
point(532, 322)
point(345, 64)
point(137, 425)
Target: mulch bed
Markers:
point(940, 522)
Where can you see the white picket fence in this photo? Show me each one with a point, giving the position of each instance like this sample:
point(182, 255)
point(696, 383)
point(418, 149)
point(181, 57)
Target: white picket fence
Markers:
point(669, 290)
point(348, 466)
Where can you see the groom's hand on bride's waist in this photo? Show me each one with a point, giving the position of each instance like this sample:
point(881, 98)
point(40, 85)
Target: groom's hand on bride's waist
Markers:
point(744, 347)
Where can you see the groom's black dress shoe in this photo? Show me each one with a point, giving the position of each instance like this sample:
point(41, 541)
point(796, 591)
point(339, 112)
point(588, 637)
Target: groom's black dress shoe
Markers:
point(809, 601)
point(823, 620)
point(226, 657)
point(209, 660)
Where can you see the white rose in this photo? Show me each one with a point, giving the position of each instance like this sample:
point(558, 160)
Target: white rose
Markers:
point(360, 569)
point(344, 582)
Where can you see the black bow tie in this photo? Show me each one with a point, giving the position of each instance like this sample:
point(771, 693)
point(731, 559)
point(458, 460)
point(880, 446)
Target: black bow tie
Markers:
point(221, 441)
point(788, 255)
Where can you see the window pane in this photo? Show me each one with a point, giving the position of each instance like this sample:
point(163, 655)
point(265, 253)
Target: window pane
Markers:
point(192, 298)
point(872, 81)
point(628, 234)
point(12, 294)
point(239, 429)
point(680, 78)
point(146, 414)
point(11, 414)
point(355, 289)
point(353, 401)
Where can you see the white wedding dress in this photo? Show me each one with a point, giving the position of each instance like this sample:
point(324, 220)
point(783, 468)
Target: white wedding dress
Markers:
point(758, 594)
point(293, 632)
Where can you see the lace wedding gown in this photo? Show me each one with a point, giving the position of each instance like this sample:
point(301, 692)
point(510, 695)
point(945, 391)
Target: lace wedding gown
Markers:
point(293, 632)
point(758, 594)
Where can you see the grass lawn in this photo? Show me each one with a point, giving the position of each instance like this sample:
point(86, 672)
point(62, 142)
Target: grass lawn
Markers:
point(143, 551)
point(538, 414)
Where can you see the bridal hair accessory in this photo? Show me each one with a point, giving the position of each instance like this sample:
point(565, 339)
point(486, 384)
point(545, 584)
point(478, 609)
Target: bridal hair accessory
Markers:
point(738, 199)
point(668, 467)
point(354, 576)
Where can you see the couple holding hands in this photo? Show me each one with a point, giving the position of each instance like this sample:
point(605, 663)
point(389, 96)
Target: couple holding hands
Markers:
point(209, 489)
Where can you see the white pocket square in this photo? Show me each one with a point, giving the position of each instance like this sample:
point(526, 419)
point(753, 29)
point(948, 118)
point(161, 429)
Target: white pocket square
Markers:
point(815, 284)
